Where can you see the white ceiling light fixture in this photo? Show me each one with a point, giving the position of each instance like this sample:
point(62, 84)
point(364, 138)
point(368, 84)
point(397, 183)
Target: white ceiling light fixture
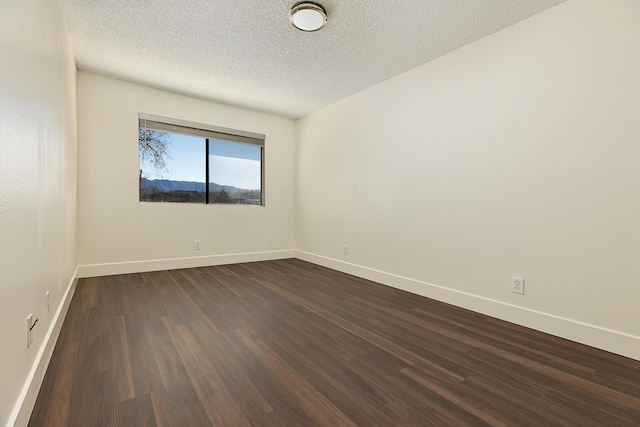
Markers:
point(308, 16)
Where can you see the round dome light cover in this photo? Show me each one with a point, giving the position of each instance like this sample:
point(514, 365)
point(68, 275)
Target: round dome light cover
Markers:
point(308, 16)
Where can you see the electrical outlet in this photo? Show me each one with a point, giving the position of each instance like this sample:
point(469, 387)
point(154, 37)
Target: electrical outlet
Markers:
point(46, 301)
point(196, 245)
point(29, 330)
point(345, 249)
point(517, 285)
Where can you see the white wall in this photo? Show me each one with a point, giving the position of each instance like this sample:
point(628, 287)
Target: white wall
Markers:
point(37, 192)
point(518, 155)
point(117, 234)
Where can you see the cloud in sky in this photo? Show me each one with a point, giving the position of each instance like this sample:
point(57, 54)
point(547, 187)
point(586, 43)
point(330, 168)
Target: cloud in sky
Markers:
point(241, 173)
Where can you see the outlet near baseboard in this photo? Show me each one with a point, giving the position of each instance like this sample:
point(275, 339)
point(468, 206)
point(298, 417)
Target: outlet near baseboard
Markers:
point(517, 285)
point(29, 330)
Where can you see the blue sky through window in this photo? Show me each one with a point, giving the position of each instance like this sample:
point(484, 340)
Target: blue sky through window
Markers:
point(230, 163)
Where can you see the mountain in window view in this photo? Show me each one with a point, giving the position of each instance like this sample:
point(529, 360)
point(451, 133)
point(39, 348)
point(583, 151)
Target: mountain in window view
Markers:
point(166, 186)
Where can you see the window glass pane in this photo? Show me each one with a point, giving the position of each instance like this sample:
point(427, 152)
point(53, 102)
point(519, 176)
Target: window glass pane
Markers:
point(235, 173)
point(172, 167)
point(175, 167)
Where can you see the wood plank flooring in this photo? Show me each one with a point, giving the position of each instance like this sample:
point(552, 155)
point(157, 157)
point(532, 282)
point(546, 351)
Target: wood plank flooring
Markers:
point(288, 343)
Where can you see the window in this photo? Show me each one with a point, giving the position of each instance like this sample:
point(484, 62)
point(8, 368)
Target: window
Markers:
point(188, 162)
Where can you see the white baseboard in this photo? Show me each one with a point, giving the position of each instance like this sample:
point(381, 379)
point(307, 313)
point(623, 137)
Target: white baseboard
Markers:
point(27, 399)
point(110, 269)
point(595, 336)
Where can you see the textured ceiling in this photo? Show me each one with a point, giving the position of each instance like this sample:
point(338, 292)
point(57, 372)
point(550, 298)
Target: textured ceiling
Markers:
point(245, 52)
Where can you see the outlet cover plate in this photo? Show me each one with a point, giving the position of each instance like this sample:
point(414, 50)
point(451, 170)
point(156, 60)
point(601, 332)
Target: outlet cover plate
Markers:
point(517, 285)
point(29, 330)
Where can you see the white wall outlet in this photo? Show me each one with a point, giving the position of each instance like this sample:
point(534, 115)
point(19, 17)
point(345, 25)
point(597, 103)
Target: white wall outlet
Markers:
point(345, 249)
point(270, 241)
point(517, 285)
point(46, 301)
point(196, 245)
point(29, 330)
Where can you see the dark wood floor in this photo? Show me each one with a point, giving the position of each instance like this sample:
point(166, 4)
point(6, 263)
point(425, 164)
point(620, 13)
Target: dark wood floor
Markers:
point(288, 343)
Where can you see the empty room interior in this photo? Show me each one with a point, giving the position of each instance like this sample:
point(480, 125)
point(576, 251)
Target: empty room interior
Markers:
point(343, 212)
